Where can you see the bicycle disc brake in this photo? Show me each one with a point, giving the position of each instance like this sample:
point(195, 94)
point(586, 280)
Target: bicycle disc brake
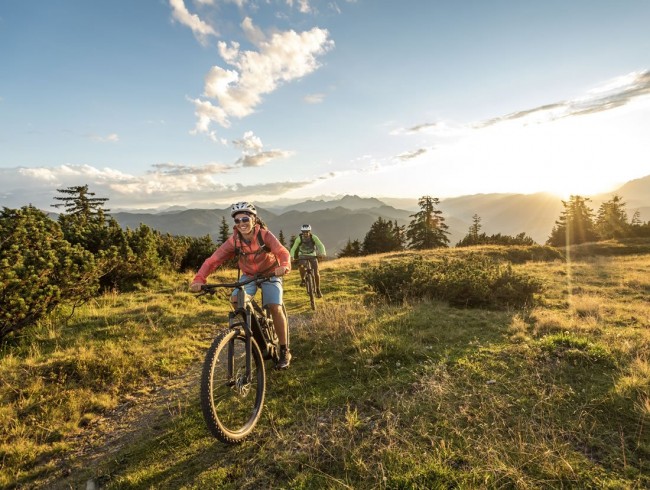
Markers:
point(240, 384)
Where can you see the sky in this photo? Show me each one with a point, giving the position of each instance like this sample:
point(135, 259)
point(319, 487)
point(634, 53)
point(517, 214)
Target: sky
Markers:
point(201, 103)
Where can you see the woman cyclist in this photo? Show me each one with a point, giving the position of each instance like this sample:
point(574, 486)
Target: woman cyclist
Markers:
point(258, 252)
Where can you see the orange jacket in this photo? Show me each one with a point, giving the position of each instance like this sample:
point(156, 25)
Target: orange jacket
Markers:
point(252, 260)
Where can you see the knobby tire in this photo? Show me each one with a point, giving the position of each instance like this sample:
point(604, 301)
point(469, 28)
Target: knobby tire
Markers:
point(311, 290)
point(231, 407)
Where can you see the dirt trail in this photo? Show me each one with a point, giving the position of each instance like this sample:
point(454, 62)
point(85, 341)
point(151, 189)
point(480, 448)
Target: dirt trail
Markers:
point(147, 411)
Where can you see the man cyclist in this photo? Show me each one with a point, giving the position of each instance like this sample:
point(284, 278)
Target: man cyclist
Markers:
point(308, 244)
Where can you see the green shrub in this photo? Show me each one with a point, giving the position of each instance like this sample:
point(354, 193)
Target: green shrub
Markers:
point(39, 269)
point(473, 281)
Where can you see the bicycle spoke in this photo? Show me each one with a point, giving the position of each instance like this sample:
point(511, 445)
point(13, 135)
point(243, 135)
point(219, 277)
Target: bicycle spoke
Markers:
point(231, 401)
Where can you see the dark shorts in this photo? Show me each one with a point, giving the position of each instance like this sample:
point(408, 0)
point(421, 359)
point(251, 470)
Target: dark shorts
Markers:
point(312, 260)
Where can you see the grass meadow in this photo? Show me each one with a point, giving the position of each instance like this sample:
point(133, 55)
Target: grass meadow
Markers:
point(415, 395)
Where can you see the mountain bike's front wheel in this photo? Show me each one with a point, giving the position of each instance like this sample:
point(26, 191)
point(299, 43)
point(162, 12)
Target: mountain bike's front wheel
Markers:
point(231, 402)
point(311, 289)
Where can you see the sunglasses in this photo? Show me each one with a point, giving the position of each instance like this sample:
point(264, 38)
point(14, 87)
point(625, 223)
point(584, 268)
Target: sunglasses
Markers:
point(245, 219)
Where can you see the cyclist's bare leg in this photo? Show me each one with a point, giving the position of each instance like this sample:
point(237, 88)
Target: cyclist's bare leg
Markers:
point(316, 274)
point(301, 267)
point(280, 323)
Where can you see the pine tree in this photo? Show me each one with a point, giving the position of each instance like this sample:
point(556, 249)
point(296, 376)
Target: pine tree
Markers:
point(198, 250)
point(476, 227)
point(78, 203)
point(281, 239)
point(473, 237)
point(399, 236)
point(224, 231)
point(428, 228)
point(171, 250)
point(39, 269)
point(351, 249)
point(575, 225)
point(383, 236)
point(611, 221)
point(83, 220)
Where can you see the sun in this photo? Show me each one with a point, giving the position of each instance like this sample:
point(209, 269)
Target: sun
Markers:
point(564, 189)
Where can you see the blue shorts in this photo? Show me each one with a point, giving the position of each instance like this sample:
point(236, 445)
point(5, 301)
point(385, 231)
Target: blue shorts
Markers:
point(271, 290)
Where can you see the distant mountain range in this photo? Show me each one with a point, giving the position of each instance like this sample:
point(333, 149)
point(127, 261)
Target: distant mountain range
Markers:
point(350, 217)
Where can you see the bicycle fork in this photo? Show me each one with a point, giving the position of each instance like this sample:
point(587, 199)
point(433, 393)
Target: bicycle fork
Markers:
point(240, 383)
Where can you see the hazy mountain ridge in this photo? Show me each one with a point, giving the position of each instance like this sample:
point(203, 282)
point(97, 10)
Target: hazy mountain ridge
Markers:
point(350, 217)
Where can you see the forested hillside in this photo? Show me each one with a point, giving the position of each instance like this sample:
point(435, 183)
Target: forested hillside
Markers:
point(349, 218)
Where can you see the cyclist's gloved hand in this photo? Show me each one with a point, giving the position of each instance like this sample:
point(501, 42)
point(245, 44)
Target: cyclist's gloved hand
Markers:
point(281, 270)
point(195, 287)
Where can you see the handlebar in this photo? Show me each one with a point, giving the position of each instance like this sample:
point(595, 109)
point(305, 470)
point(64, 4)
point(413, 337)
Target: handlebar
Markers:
point(212, 288)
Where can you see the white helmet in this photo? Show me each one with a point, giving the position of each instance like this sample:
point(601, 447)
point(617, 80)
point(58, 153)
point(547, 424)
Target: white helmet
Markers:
point(305, 228)
point(243, 207)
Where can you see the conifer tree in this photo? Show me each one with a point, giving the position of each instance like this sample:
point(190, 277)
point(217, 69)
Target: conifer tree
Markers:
point(428, 228)
point(224, 231)
point(83, 219)
point(171, 250)
point(198, 250)
point(352, 249)
point(575, 225)
point(611, 221)
point(473, 237)
point(476, 227)
point(281, 239)
point(383, 236)
point(79, 203)
point(39, 269)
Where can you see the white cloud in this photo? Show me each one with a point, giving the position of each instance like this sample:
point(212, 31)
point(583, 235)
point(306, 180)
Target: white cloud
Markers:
point(303, 5)
point(314, 98)
point(163, 184)
point(201, 29)
point(165, 169)
point(249, 143)
point(263, 157)
point(281, 57)
point(253, 154)
point(109, 138)
point(609, 95)
point(207, 113)
point(409, 155)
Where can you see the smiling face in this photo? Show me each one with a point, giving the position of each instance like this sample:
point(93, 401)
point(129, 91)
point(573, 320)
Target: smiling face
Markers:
point(244, 223)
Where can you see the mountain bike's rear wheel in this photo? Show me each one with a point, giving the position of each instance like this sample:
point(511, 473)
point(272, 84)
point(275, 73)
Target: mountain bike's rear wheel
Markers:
point(232, 404)
point(311, 289)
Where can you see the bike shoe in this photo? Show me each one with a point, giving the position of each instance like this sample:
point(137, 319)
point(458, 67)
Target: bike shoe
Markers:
point(302, 283)
point(319, 294)
point(285, 360)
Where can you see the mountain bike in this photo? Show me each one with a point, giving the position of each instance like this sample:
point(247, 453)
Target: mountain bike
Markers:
point(309, 278)
point(233, 381)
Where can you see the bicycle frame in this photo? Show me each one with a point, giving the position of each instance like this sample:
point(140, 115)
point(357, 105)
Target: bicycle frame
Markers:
point(304, 262)
point(252, 314)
